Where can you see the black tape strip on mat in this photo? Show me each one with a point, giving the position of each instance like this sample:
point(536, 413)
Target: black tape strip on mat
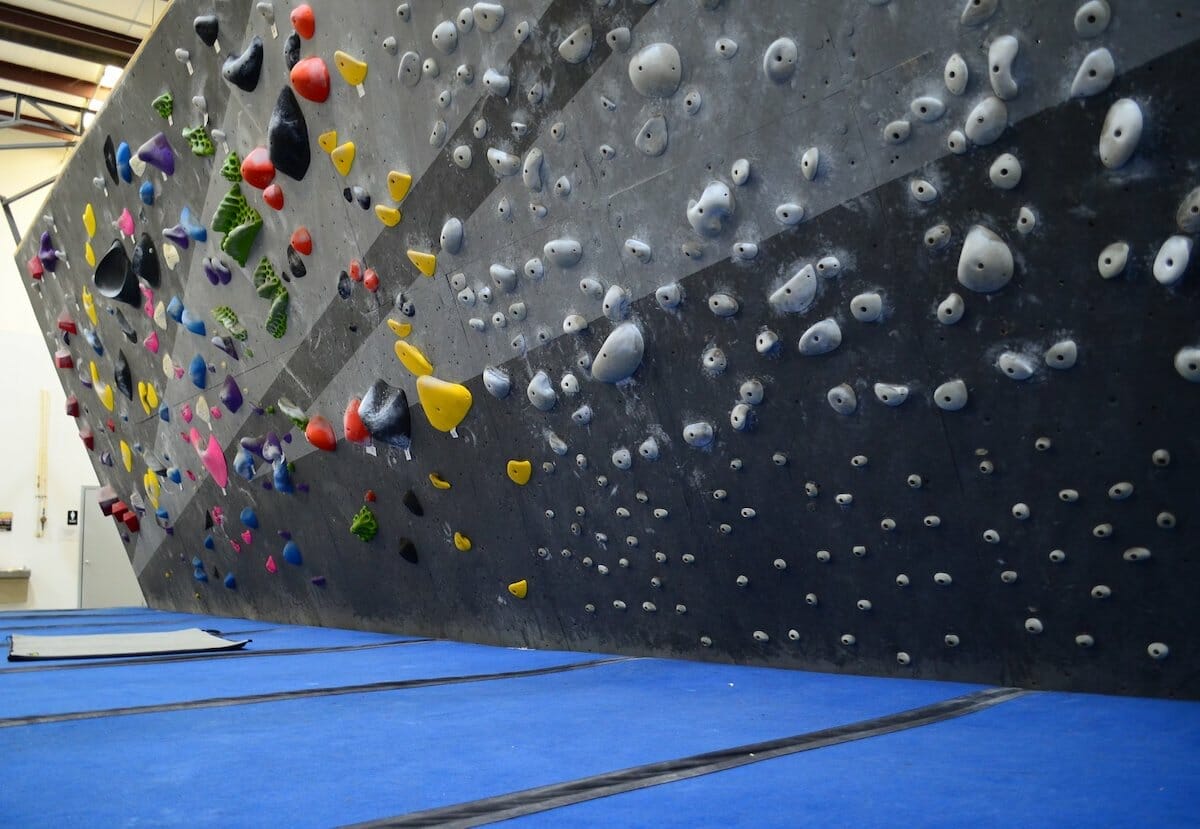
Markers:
point(306, 693)
point(554, 796)
point(241, 654)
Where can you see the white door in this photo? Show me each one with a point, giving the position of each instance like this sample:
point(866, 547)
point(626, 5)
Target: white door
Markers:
point(106, 576)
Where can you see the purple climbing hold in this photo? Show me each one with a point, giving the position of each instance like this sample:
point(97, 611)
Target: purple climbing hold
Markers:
point(178, 235)
point(231, 394)
point(271, 448)
point(46, 253)
point(216, 271)
point(319, 581)
point(157, 153)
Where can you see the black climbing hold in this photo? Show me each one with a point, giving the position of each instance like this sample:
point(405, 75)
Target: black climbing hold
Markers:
point(361, 196)
point(287, 136)
point(347, 195)
point(110, 159)
point(408, 551)
point(206, 27)
point(413, 503)
point(344, 284)
point(126, 328)
point(145, 261)
point(114, 277)
point(208, 520)
point(384, 411)
point(296, 263)
point(405, 305)
point(123, 376)
point(291, 50)
point(243, 70)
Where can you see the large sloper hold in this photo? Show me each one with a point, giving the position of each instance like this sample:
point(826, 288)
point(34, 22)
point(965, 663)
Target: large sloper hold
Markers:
point(384, 411)
point(242, 70)
point(114, 276)
point(287, 136)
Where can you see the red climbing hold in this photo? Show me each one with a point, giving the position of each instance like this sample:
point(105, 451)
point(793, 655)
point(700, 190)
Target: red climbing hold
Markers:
point(352, 424)
point(273, 196)
point(112, 427)
point(63, 359)
point(356, 270)
point(89, 439)
point(370, 496)
point(319, 432)
point(35, 268)
point(257, 169)
point(130, 520)
point(302, 240)
point(73, 406)
point(371, 280)
point(310, 77)
point(65, 323)
point(303, 21)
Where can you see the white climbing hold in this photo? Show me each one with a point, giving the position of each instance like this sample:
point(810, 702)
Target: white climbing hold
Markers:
point(698, 434)
point(867, 307)
point(810, 162)
point(639, 250)
point(956, 142)
point(797, 294)
point(497, 84)
point(497, 382)
point(987, 121)
point(779, 61)
point(740, 172)
point(576, 46)
point(1158, 650)
point(652, 138)
point(978, 12)
point(986, 263)
point(743, 251)
point(751, 391)
point(1112, 260)
point(707, 215)
point(1187, 216)
point(1005, 171)
point(574, 324)
point(922, 190)
point(821, 338)
point(723, 305)
point(1062, 355)
point(789, 214)
point(531, 170)
point(842, 399)
point(445, 37)
point(616, 303)
point(1026, 220)
point(669, 296)
point(620, 355)
point(956, 74)
point(897, 132)
point(951, 309)
point(951, 395)
point(541, 392)
point(618, 39)
point(452, 235)
point(656, 70)
point(1014, 365)
point(1092, 18)
point(589, 286)
point(726, 47)
point(766, 341)
point(1096, 73)
point(891, 395)
point(937, 237)
point(1121, 133)
point(488, 16)
point(505, 164)
point(564, 253)
point(1187, 363)
point(927, 108)
point(692, 101)
point(462, 156)
point(740, 417)
point(1172, 259)
point(1001, 55)
point(713, 360)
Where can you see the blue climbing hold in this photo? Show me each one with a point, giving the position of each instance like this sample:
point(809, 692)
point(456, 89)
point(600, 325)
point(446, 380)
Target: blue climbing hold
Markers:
point(283, 477)
point(175, 309)
point(193, 323)
point(123, 165)
point(164, 415)
point(174, 474)
point(146, 191)
point(198, 370)
point(94, 341)
point(230, 581)
point(193, 229)
point(249, 518)
point(291, 553)
point(208, 542)
point(243, 463)
point(199, 574)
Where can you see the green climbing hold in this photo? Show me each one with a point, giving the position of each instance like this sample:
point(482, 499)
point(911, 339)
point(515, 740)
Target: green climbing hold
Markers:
point(364, 526)
point(276, 324)
point(266, 280)
point(199, 140)
point(237, 242)
point(164, 105)
point(231, 170)
point(226, 316)
point(239, 222)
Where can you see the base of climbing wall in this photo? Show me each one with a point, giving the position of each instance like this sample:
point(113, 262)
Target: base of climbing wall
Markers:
point(324, 727)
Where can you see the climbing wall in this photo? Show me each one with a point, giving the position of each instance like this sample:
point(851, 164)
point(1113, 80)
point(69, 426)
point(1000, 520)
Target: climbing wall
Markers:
point(850, 336)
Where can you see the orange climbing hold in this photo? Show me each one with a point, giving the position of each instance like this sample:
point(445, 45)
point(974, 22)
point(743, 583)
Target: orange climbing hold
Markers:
point(302, 240)
point(371, 280)
point(273, 196)
point(352, 425)
point(257, 169)
point(310, 77)
point(319, 433)
point(304, 21)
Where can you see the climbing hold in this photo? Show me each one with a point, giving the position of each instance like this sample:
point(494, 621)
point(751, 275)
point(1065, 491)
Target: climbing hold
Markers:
point(519, 472)
point(1005, 171)
point(789, 214)
point(620, 355)
point(699, 434)
point(779, 61)
point(412, 358)
point(956, 74)
point(1095, 74)
point(452, 235)
point(426, 263)
point(541, 392)
point(978, 12)
point(343, 157)
point(897, 132)
point(951, 309)
point(722, 305)
point(242, 70)
point(1062, 355)
point(951, 396)
point(352, 70)
point(519, 588)
point(669, 296)
point(445, 404)
point(364, 525)
point(1001, 54)
point(462, 542)
point(273, 196)
point(310, 78)
point(891, 395)
point(576, 47)
point(616, 299)
point(986, 122)
point(986, 263)
point(287, 136)
point(1017, 366)
point(1092, 18)
point(303, 21)
point(565, 253)
point(867, 307)
point(922, 190)
point(158, 154)
point(384, 413)
point(1121, 133)
point(1172, 259)
point(821, 338)
point(1187, 216)
point(707, 215)
point(319, 432)
point(656, 70)
point(389, 216)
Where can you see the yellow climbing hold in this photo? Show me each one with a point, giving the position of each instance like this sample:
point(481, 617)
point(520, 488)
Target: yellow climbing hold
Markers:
point(398, 185)
point(343, 157)
point(88, 253)
point(89, 220)
point(426, 262)
point(445, 403)
point(413, 359)
point(353, 71)
point(143, 395)
point(519, 588)
point(438, 481)
point(520, 472)
point(89, 306)
point(400, 329)
point(103, 390)
point(150, 482)
point(328, 140)
point(390, 216)
point(126, 456)
point(462, 542)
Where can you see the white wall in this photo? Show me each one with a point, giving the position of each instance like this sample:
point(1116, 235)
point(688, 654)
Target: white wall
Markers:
point(26, 370)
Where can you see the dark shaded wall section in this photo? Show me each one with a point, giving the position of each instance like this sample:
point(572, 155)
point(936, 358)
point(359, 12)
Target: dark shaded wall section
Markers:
point(803, 540)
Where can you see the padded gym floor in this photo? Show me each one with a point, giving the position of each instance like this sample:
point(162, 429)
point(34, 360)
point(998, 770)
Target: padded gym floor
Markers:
point(319, 727)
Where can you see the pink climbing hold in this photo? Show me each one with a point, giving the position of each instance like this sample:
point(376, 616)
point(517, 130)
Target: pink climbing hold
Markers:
point(214, 459)
point(125, 223)
point(178, 372)
point(149, 306)
point(215, 412)
point(237, 548)
point(247, 536)
point(151, 342)
point(185, 411)
point(218, 515)
point(271, 566)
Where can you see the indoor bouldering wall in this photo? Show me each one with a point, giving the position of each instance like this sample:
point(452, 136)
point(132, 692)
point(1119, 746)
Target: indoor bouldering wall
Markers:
point(851, 336)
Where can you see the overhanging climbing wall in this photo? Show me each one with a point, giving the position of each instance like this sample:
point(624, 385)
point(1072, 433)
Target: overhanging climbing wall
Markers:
point(851, 336)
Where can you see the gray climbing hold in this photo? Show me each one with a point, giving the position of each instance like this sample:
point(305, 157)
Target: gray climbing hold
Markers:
point(1112, 260)
point(618, 39)
point(669, 296)
point(956, 74)
point(501, 321)
point(891, 395)
point(810, 163)
point(444, 98)
point(927, 108)
point(452, 235)
point(504, 208)
point(740, 172)
point(497, 84)
point(465, 73)
point(638, 250)
point(743, 251)
point(1026, 220)
point(458, 281)
point(462, 156)
point(569, 384)
point(713, 360)
point(505, 164)
point(821, 338)
point(789, 214)
point(541, 392)
point(867, 307)
point(1095, 74)
point(692, 100)
point(576, 46)
point(741, 417)
point(1014, 365)
point(538, 210)
point(559, 446)
point(531, 170)
point(445, 37)
point(937, 237)
point(465, 20)
point(616, 303)
point(1121, 133)
point(518, 311)
point(797, 294)
point(430, 68)
point(897, 132)
point(521, 31)
point(978, 12)
point(558, 130)
point(987, 122)
point(766, 341)
point(779, 61)
point(562, 187)
point(574, 324)
point(620, 355)
point(534, 269)
point(707, 215)
point(649, 449)
point(699, 434)
point(922, 190)
point(1005, 171)
point(1062, 355)
point(950, 396)
point(751, 391)
point(652, 138)
point(591, 287)
point(842, 399)
point(477, 324)
point(505, 278)
point(437, 136)
point(1092, 18)
point(488, 16)
point(726, 47)
point(607, 152)
point(951, 309)
point(656, 70)
point(480, 128)
point(723, 305)
point(1001, 55)
point(497, 382)
point(466, 297)
point(565, 253)
point(1172, 259)
point(986, 263)
point(956, 142)
point(404, 12)
point(622, 459)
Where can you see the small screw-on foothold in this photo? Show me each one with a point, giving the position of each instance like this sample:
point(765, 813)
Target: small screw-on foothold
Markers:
point(1033, 625)
point(1112, 260)
point(1084, 640)
point(741, 417)
point(1014, 365)
point(1136, 554)
point(789, 214)
point(951, 396)
point(564, 253)
point(699, 434)
point(708, 214)
point(1161, 457)
point(1120, 491)
point(844, 499)
point(743, 251)
point(927, 108)
point(622, 459)
point(652, 138)
point(1062, 355)
point(1102, 530)
point(986, 122)
point(713, 360)
point(897, 132)
point(1121, 133)
point(951, 309)
point(1101, 591)
point(986, 467)
point(618, 39)
point(1172, 259)
point(1001, 55)
point(991, 536)
point(656, 70)
point(445, 37)
point(462, 156)
point(942, 579)
point(1092, 18)
point(692, 101)
point(986, 262)
point(821, 338)
point(951, 640)
point(848, 639)
point(956, 74)
point(1020, 511)
point(1187, 216)
point(1068, 496)
point(922, 190)
point(766, 341)
point(1058, 556)
point(823, 556)
point(1187, 363)
point(956, 142)
point(534, 269)
point(1026, 220)
point(932, 521)
point(726, 47)
point(669, 296)
point(404, 12)
point(937, 237)
point(1158, 650)
point(797, 294)
point(1005, 171)
point(1095, 74)
point(891, 395)
point(751, 392)
point(723, 305)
